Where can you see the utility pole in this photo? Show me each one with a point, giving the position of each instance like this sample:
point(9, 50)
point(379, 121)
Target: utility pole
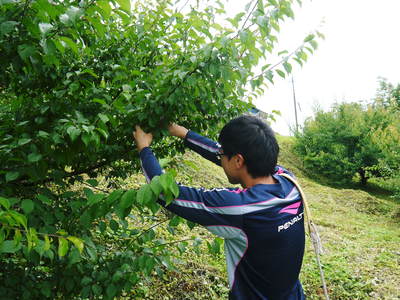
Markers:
point(295, 106)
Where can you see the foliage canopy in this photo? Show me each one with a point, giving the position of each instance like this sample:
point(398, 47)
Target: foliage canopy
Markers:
point(75, 76)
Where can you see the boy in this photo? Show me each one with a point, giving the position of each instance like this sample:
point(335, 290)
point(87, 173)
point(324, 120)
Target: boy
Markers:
point(262, 223)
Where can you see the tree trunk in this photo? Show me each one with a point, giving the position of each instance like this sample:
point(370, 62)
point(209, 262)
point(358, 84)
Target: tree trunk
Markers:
point(363, 176)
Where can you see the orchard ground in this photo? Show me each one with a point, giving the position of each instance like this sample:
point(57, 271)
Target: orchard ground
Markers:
point(358, 228)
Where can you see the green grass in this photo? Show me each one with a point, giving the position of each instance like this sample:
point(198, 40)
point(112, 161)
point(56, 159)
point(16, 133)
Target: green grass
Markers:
point(359, 230)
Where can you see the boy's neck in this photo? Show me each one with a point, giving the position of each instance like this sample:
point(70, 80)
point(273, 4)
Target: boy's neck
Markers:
point(249, 181)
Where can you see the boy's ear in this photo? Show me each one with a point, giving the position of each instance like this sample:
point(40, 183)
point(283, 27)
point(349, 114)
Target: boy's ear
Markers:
point(239, 160)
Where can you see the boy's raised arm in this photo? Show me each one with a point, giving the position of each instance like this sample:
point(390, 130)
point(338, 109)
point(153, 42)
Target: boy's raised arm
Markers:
point(207, 148)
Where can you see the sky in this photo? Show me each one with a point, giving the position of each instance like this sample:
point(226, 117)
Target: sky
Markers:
point(362, 43)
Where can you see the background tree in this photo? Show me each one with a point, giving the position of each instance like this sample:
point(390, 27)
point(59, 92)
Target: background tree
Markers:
point(388, 95)
point(75, 76)
point(354, 139)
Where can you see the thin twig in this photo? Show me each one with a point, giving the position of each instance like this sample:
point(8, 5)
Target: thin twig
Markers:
point(244, 24)
point(96, 188)
point(38, 233)
point(148, 229)
point(171, 243)
point(279, 62)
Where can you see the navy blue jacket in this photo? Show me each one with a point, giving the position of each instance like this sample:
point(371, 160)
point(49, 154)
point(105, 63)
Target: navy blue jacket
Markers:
point(263, 227)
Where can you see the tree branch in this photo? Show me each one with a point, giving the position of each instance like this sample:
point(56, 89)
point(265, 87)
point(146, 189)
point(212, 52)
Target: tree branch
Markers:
point(279, 62)
point(244, 24)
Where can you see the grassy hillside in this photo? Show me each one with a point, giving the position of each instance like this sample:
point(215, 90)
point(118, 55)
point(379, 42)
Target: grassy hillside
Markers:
point(359, 230)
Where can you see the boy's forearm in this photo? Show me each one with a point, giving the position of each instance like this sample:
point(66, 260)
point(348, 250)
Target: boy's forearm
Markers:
point(178, 131)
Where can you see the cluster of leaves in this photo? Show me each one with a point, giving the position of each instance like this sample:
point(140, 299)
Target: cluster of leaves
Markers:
point(75, 77)
point(103, 221)
point(388, 95)
point(353, 139)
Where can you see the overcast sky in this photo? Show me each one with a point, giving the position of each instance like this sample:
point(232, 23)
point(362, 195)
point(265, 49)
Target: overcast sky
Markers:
point(362, 43)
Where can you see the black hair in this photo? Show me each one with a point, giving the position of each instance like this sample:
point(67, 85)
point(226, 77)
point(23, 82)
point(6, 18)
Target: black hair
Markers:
point(254, 140)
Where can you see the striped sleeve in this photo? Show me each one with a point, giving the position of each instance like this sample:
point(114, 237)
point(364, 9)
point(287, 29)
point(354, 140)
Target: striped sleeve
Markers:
point(203, 146)
point(216, 208)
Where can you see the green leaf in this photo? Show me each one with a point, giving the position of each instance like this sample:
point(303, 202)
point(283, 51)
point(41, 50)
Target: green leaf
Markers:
point(174, 189)
point(114, 225)
point(86, 138)
point(32, 235)
point(97, 290)
point(103, 132)
point(7, 27)
point(102, 227)
point(23, 141)
point(46, 243)
point(125, 4)
point(314, 44)
point(5, 203)
point(86, 280)
point(17, 237)
point(73, 132)
point(88, 192)
point(153, 206)
point(74, 256)
point(71, 44)
point(280, 73)
point(25, 51)
point(115, 195)
point(49, 254)
point(168, 184)
point(273, 2)
point(244, 37)
point(60, 47)
point(127, 199)
point(105, 7)
point(62, 232)
point(111, 291)
point(270, 76)
point(9, 247)
point(103, 117)
point(190, 224)
point(145, 194)
point(309, 38)
point(302, 55)
point(43, 199)
point(175, 221)
point(45, 289)
point(215, 246)
point(165, 181)
point(283, 52)
point(27, 205)
point(2, 235)
point(262, 21)
point(92, 182)
point(150, 263)
point(90, 71)
point(155, 185)
point(19, 218)
point(39, 247)
point(77, 242)
point(62, 246)
point(95, 198)
point(42, 134)
point(100, 101)
point(287, 66)
point(34, 157)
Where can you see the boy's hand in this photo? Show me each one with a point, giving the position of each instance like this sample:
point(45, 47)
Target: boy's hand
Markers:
point(178, 131)
point(142, 138)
